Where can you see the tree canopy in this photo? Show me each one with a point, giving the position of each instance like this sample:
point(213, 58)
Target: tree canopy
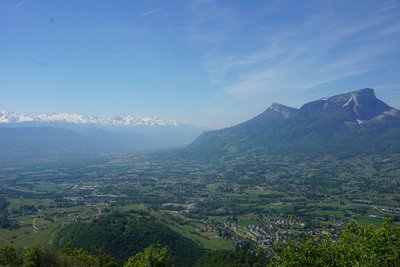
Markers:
point(152, 256)
point(357, 246)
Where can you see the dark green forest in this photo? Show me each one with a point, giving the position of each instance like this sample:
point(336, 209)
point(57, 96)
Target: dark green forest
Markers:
point(123, 236)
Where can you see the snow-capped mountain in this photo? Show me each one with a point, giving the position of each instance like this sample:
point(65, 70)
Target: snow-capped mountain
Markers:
point(10, 117)
point(66, 135)
point(125, 120)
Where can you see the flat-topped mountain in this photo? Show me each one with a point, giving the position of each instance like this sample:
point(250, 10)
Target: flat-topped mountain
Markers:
point(356, 122)
point(358, 106)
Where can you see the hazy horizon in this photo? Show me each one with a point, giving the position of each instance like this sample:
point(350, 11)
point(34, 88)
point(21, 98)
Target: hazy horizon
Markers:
point(207, 63)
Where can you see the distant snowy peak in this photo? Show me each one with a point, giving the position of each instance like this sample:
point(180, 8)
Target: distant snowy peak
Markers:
point(126, 120)
point(10, 117)
point(67, 118)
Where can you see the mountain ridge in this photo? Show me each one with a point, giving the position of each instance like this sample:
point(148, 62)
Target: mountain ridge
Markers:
point(125, 120)
point(351, 123)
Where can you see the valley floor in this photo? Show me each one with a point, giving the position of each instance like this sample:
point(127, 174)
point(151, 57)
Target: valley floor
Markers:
point(246, 202)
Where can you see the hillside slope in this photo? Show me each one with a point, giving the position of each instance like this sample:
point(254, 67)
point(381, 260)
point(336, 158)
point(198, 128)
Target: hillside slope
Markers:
point(123, 236)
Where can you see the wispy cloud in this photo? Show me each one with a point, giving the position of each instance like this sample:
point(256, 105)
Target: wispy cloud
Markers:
point(393, 87)
point(211, 23)
point(323, 48)
point(387, 8)
point(391, 93)
point(39, 62)
point(390, 30)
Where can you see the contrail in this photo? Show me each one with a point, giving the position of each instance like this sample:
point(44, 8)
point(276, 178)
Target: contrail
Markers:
point(19, 4)
point(149, 12)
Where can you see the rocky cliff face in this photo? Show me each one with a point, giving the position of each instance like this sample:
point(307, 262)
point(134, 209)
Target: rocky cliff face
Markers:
point(358, 105)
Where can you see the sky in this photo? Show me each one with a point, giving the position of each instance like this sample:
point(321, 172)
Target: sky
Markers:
point(205, 62)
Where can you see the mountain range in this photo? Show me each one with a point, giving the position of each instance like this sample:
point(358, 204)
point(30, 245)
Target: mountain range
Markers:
point(125, 120)
point(345, 125)
point(70, 135)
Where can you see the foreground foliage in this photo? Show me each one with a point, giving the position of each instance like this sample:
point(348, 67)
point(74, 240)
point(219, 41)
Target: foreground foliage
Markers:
point(357, 246)
point(38, 256)
point(153, 256)
point(230, 258)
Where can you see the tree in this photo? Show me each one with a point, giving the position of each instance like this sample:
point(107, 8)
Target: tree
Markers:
point(357, 246)
point(34, 256)
point(37, 256)
point(230, 258)
point(71, 256)
point(9, 257)
point(152, 256)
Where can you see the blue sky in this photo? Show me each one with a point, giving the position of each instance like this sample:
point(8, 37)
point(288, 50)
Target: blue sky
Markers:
point(209, 63)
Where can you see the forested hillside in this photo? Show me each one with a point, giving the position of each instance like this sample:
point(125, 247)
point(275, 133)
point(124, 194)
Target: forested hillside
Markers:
point(123, 236)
